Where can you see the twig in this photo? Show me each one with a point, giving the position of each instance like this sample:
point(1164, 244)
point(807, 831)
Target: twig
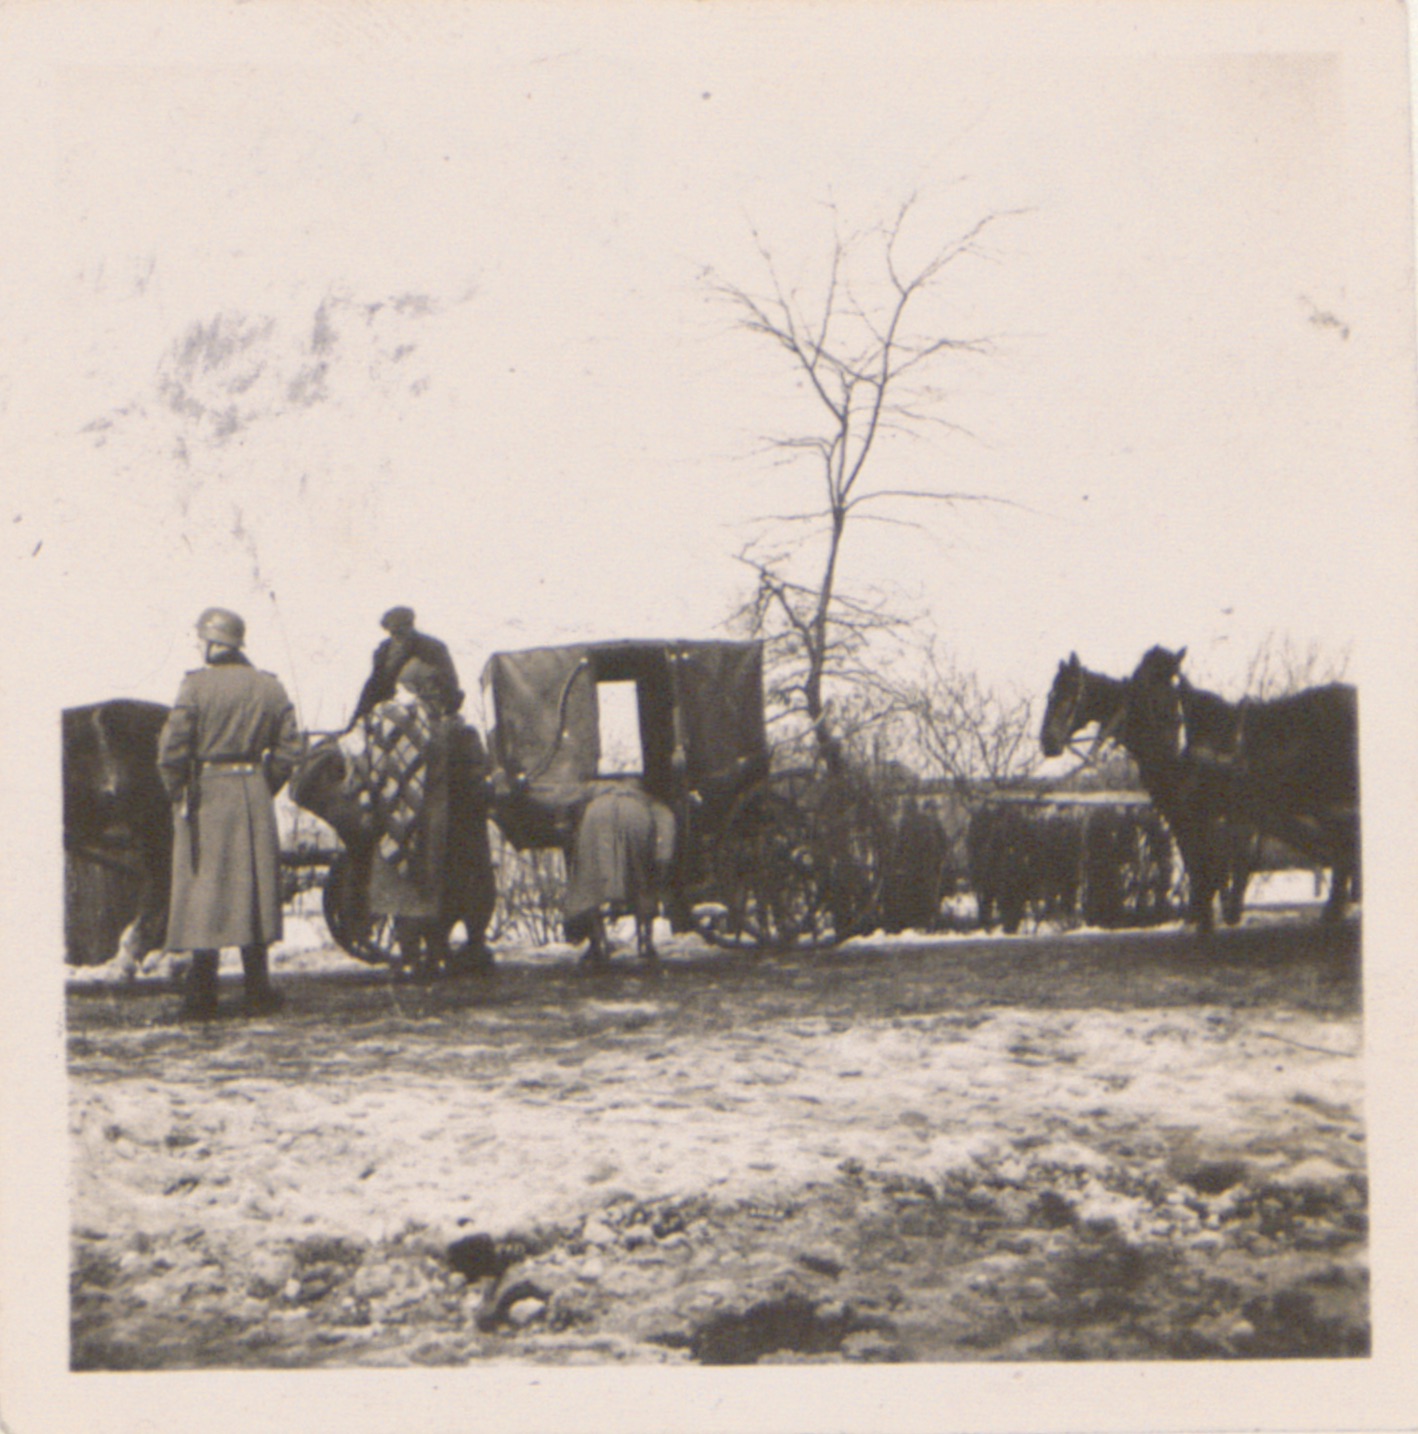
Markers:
point(1319, 1050)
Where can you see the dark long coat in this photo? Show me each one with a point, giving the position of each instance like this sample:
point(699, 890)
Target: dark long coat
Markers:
point(227, 747)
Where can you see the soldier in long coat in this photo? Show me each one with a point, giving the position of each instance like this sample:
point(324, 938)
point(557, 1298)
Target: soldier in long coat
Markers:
point(227, 747)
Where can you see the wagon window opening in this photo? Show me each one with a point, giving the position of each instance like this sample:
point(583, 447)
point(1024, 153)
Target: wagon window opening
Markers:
point(621, 750)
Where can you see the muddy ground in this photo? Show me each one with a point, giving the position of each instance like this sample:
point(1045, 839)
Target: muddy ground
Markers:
point(1091, 1146)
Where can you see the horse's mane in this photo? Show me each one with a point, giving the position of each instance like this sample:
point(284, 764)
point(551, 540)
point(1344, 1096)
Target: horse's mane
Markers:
point(1208, 715)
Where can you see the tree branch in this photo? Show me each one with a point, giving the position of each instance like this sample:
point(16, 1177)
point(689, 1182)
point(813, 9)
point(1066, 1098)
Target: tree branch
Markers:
point(867, 364)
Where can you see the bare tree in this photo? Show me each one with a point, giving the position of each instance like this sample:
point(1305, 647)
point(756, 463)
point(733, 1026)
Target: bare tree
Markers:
point(1280, 666)
point(869, 371)
point(963, 730)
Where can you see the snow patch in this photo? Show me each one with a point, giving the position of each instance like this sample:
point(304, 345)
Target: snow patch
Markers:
point(1287, 888)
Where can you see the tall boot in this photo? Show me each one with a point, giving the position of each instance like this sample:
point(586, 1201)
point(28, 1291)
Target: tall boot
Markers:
point(199, 995)
point(258, 998)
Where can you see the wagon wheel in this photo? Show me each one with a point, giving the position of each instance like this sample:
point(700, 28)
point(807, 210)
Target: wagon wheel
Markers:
point(765, 876)
point(370, 938)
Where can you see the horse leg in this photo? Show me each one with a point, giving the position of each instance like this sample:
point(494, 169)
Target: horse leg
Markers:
point(1203, 894)
point(1011, 913)
point(149, 925)
point(1235, 877)
point(598, 952)
point(1201, 878)
point(984, 909)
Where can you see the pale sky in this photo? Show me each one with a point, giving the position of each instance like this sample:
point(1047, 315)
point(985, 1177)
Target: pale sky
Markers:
point(464, 246)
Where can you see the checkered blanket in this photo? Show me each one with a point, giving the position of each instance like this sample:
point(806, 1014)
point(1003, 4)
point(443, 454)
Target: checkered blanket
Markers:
point(389, 774)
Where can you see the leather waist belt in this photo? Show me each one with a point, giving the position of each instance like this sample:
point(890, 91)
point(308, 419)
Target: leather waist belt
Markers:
point(237, 768)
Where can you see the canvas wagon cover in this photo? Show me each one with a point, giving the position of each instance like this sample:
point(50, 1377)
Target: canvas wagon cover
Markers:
point(721, 706)
point(707, 695)
point(538, 694)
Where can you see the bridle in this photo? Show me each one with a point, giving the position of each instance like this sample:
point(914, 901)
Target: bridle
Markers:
point(1107, 731)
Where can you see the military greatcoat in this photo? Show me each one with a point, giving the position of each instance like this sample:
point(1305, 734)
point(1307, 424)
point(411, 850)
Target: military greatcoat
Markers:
point(228, 746)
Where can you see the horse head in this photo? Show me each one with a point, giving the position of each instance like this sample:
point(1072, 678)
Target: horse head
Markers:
point(1061, 719)
point(1160, 665)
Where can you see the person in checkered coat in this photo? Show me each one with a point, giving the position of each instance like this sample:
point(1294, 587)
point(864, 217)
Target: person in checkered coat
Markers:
point(398, 757)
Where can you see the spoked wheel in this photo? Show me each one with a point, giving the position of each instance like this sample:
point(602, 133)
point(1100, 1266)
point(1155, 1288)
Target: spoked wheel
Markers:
point(765, 876)
point(370, 938)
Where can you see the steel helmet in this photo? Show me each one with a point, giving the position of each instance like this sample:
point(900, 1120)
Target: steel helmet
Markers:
point(220, 624)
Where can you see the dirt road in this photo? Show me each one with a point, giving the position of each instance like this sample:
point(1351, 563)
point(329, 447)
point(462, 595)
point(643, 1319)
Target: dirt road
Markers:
point(1093, 1146)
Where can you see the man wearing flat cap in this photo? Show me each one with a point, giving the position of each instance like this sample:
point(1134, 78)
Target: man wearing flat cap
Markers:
point(228, 746)
point(404, 643)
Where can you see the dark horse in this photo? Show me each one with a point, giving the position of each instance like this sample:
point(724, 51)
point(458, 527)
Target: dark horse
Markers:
point(1288, 766)
point(1216, 849)
point(117, 816)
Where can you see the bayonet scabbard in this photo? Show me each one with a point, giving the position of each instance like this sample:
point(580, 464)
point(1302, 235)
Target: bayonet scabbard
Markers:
point(191, 802)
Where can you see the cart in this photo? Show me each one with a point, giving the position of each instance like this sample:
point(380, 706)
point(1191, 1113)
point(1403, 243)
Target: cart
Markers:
point(744, 871)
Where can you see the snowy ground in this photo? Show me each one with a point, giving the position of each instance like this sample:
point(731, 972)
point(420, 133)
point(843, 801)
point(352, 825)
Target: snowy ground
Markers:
point(1093, 1145)
point(306, 947)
